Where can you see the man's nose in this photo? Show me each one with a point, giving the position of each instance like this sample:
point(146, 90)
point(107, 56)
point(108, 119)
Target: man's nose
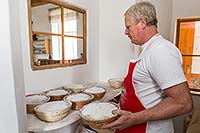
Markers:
point(126, 31)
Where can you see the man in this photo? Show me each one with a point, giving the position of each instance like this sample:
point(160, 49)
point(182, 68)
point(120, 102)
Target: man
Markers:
point(156, 89)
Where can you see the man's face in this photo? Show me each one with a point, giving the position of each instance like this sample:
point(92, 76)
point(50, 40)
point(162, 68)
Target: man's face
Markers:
point(133, 31)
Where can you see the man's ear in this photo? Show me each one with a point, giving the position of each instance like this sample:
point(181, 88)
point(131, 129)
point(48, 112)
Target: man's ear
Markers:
point(143, 23)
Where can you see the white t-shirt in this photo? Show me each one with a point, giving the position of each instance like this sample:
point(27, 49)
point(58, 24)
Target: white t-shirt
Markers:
point(158, 67)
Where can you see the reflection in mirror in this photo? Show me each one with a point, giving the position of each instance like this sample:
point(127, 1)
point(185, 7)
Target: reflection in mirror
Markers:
point(44, 17)
point(73, 48)
point(57, 34)
point(73, 23)
point(188, 40)
point(46, 48)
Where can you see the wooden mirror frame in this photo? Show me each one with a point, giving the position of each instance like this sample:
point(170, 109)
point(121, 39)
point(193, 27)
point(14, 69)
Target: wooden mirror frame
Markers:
point(63, 62)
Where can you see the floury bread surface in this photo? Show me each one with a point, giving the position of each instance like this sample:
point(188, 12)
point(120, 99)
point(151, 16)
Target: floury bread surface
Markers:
point(95, 90)
point(57, 92)
point(98, 110)
point(78, 97)
point(35, 99)
point(53, 106)
point(74, 86)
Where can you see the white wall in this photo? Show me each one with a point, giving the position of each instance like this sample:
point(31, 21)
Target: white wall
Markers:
point(18, 64)
point(37, 81)
point(8, 116)
point(114, 47)
point(40, 18)
point(164, 13)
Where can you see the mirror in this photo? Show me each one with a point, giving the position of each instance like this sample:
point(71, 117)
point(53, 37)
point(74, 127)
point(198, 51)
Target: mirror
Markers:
point(188, 40)
point(57, 34)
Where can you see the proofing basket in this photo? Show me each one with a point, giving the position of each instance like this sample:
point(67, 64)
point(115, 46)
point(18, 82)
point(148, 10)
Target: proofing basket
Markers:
point(30, 106)
point(115, 83)
point(75, 88)
point(97, 124)
point(79, 104)
point(57, 97)
point(97, 96)
point(53, 116)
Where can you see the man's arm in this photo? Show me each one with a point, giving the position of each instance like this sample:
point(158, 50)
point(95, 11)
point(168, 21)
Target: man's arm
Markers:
point(177, 102)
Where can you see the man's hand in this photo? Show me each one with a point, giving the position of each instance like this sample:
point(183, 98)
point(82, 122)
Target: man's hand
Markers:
point(125, 120)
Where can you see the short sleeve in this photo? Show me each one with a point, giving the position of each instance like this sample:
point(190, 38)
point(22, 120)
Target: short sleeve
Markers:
point(165, 66)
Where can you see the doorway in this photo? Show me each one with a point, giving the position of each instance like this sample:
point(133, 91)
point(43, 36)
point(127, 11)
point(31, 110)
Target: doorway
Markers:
point(188, 42)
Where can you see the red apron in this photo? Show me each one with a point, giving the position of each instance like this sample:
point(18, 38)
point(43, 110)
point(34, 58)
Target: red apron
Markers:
point(130, 102)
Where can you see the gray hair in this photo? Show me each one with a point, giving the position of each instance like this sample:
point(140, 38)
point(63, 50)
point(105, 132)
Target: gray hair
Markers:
point(143, 10)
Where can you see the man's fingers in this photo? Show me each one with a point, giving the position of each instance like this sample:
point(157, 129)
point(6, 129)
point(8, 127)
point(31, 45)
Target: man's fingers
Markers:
point(111, 125)
point(117, 112)
point(117, 124)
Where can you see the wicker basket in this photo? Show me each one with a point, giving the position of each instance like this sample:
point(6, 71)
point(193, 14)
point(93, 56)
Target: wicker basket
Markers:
point(53, 116)
point(75, 88)
point(76, 104)
point(97, 95)
point(94, 123)
point(57, 97)
point(31, 105)
point(115, 83)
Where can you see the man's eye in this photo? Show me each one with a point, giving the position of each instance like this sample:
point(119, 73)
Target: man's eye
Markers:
point(128, 27)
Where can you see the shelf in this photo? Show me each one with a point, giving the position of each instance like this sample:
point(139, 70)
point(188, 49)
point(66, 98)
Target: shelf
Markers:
point(39, 48)
point(42, 45)
point(36, 125)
